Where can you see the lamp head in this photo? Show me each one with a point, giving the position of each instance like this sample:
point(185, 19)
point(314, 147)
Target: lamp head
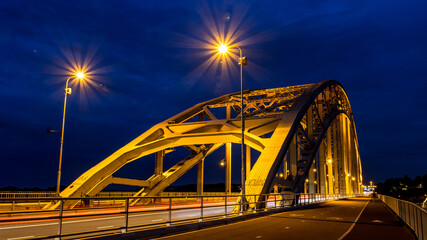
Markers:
point(222, 48)
point(80, 75)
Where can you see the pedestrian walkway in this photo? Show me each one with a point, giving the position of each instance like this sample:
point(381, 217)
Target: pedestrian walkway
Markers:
point(347, 219)
point(377, 221)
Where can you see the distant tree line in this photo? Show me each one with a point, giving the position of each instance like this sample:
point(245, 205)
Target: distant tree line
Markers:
point(406, 188)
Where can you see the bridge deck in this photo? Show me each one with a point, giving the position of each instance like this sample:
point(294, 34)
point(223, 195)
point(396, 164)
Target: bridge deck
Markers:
point(356, 218)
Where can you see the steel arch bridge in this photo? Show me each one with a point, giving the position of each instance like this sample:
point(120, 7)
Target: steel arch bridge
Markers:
point(305, 136)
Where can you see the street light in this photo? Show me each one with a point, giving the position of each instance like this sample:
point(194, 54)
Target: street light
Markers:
point(81, 76)
point(223, 49)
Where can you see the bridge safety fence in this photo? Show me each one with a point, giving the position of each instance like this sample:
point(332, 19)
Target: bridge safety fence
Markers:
point(68, 218)
point(40, 194)
point(414, 216)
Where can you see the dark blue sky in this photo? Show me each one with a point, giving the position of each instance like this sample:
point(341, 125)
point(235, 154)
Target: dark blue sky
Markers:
point(376, 49)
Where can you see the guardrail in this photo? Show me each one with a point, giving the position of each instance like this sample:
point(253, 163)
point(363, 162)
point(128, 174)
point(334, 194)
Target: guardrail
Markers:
point(168, 211)
point(23, 194)
point(414, 216)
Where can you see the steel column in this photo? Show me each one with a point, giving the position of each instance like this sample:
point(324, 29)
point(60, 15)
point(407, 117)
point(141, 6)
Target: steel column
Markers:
point(200, 176)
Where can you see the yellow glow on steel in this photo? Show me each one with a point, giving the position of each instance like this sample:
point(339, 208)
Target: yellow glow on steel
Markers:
point(281, 175)
point(329, 160)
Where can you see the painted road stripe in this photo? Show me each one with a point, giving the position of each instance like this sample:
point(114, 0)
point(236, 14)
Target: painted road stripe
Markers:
point(354, 222)
point(20, 238)
point(157, 220)
point(105, 227)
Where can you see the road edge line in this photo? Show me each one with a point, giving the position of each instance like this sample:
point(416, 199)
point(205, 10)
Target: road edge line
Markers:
point(354, 222)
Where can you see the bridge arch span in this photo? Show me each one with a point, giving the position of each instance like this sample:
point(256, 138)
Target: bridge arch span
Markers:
point(305, 134)
point(323, 121)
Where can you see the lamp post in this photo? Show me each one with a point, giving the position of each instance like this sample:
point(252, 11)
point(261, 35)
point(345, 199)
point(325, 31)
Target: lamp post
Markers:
point(67, 91)
point(223, 48)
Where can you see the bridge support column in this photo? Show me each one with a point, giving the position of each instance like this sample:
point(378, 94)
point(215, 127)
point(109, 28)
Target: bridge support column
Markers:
point(200, 176)
point(345, 150)
point(248, 160)
point(329, 161)
point(351, 178)
point(336, 159)
point(359, 167)
point(311, 179)
point(228, 168)
point(355, 162)
point(310, 133)
point(322, 169)
point(285, 165)
point(344, 155)
point(293, 156)
point(158, 164)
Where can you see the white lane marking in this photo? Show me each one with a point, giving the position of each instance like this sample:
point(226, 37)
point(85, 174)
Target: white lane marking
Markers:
point(287, 227)
point(377, 221)
point(205, 229)
point(105, 227)
point(258, 237)
point(296, 215)
point(354, 222)
point(20, 238)
point(157, 220)
point(35, 225)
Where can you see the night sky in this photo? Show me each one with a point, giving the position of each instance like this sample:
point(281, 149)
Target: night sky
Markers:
point(147, 70)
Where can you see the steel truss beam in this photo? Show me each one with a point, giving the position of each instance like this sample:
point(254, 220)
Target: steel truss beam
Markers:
point(298, 118)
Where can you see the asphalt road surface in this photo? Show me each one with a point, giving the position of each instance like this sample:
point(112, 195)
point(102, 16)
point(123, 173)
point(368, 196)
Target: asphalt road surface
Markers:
point(356, 218)
point(37, 229)
point(26, 230)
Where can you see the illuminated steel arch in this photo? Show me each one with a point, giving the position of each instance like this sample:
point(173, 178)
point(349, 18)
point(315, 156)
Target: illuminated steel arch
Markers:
point(305, 135)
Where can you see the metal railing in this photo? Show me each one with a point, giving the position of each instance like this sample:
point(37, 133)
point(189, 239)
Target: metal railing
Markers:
point(30, 194)
point(414, 216)
point(127, 216)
